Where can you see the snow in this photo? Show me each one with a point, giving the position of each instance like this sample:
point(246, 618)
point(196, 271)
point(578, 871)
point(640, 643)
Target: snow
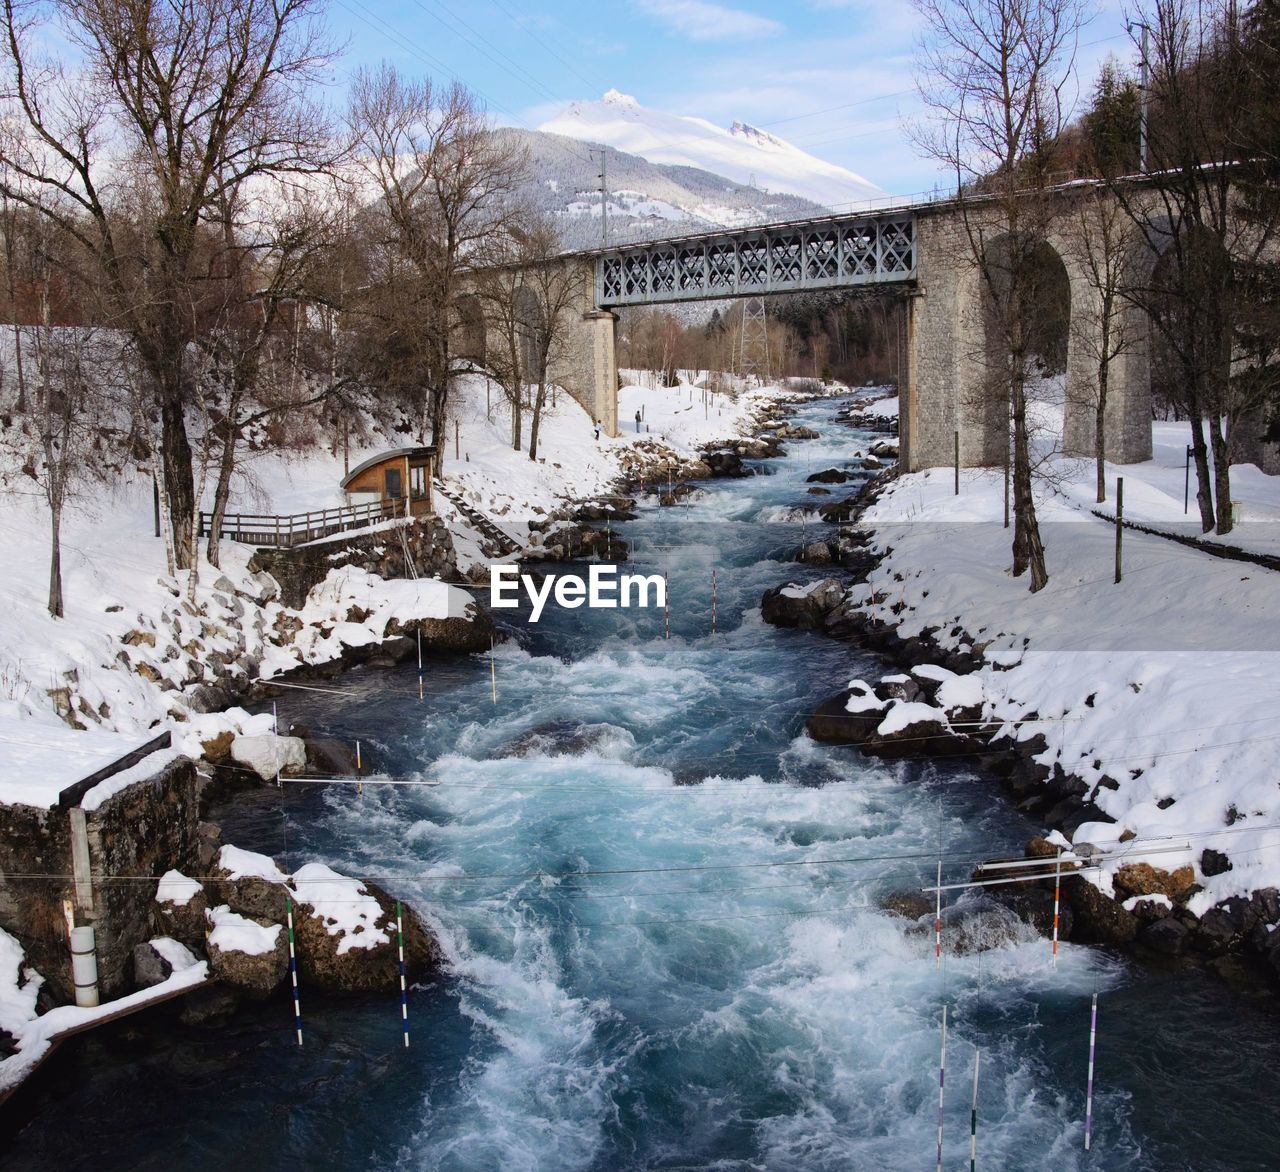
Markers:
point(742, 153)
point(147, 768)
point(903, 714)
point(19, 987)
point(342, 904)
point(1164, 685)
point(40, 755)
point(177, 889)
point(176, 954)
point(233, 932)
point(242, 864)
point(269, 754)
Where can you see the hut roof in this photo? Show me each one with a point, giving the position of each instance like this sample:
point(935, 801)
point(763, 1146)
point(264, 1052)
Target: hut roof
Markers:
point(383, 457)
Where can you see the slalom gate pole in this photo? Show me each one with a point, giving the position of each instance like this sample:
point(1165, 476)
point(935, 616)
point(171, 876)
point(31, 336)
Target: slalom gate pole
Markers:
point(937, 921)
point(942, 1080)
point(666, 608)
point(275, 740)
point(293, 972)
point(1088, 1093)
point(973, 1116)
point(1057, 902)
point(419, 663)
point(713, 602)
point(359, 771)
point(404, 995)
point(493, 673)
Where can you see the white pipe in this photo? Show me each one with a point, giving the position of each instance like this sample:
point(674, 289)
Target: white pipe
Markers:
point(84, 966)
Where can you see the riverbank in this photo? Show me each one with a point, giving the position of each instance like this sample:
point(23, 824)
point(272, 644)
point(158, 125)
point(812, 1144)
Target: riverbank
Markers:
point(1132, 719)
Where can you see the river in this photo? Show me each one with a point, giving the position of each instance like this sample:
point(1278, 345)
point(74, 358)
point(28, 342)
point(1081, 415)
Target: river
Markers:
point(722, 990)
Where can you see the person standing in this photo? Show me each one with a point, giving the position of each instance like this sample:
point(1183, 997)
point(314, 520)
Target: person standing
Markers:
point(637, 423)
point(596, 422)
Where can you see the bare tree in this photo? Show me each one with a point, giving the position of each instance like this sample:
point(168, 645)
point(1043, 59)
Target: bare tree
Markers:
point(1206, 237)
point(1100, 238)
point(995, 74)
point(129, 149)
point(444, 178)
point(62, 427)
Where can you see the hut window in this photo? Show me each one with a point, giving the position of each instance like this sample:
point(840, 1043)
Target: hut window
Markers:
point(395, 484)
point(417, 481)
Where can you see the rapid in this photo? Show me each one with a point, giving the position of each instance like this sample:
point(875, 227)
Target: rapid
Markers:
point(660, 904)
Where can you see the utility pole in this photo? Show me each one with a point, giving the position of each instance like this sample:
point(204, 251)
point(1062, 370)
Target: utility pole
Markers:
point(603, 176)
point(1143, 88)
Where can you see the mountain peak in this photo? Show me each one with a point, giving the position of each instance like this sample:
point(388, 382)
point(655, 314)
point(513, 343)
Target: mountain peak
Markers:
point(744, 153)
point(755, 134)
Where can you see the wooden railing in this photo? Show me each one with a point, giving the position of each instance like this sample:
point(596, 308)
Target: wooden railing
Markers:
point(299, 528)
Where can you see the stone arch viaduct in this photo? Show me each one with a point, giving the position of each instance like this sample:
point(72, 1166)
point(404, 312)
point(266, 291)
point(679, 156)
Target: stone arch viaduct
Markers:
point(921, 250)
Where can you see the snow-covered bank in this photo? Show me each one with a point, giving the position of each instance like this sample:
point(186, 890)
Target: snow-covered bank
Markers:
point(1145, 707)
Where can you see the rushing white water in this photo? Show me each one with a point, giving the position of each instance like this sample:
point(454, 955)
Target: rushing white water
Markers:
point(728, 995)
point(660, 905)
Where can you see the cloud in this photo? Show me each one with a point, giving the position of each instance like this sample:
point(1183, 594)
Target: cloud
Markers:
point(702, 21)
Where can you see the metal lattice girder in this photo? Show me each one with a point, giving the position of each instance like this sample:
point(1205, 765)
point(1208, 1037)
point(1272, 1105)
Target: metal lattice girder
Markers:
point(823, 255)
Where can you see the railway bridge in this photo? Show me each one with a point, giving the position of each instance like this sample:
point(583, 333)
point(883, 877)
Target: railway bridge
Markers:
point(920, 250)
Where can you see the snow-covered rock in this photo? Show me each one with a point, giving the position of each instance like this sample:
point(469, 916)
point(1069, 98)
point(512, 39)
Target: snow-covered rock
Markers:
point(268, 755)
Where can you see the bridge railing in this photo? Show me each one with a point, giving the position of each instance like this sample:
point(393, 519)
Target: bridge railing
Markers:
point(285, 531)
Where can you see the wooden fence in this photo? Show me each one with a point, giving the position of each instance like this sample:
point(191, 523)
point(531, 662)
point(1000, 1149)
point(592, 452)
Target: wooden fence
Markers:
point(266, 529)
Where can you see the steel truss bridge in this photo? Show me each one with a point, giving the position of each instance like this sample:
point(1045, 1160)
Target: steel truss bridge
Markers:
point(830, 253)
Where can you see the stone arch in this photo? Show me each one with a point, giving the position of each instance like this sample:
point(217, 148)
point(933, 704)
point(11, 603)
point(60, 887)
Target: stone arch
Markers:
point(471, 329)
point(530, 323)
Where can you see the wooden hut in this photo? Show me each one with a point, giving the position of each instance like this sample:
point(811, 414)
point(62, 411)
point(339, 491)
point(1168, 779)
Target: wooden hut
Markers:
point(402, 474)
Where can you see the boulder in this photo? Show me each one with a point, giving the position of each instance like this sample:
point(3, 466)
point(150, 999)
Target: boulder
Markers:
point(849, 718)
point(218, 748)
point(155, 961)
point(803, 607)
point(909, 729)
point(346, 934)
point(249, 955)
point(829, 476)
point(725, 464)
point(1144, 879)
point(838, 512)
point(268, 753)
point(1224, 928)
point(816, 553)
point(1099, 919)
point(1169, 936)
point(912, 905)
point(459, 634)
point(250, 884)
point(179, 910)
point(1213, 862)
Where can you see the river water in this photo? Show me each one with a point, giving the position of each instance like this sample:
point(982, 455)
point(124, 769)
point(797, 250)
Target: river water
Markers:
point(660, 905)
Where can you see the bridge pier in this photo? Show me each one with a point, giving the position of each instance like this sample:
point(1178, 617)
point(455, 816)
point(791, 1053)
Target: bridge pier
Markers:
point(1127, 417)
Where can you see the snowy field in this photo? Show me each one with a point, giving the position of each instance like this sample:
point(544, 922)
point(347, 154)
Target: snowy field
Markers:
point(1160, 691)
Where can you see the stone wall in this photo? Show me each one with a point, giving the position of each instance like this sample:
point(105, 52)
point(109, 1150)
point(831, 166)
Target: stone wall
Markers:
point(134, 837)
point(380, 552)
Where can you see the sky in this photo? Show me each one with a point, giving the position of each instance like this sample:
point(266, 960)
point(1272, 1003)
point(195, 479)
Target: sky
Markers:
point(832, 76)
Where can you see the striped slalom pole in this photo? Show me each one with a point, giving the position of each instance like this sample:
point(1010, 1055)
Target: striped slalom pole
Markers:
point(419, 663)
point(713, 602)
point(937, 920)
point(666, 608)
point(293, 972)
point(359, 771)
point(1057, 902)
point(1088, 1094)
point(942, 1080)
point(493, 673)
point(973, 1116)
point(404, 995)
point(275, 740)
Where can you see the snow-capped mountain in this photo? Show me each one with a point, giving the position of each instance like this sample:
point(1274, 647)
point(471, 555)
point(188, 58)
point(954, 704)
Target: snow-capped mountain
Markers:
point(646, 200)
point(742, 153)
